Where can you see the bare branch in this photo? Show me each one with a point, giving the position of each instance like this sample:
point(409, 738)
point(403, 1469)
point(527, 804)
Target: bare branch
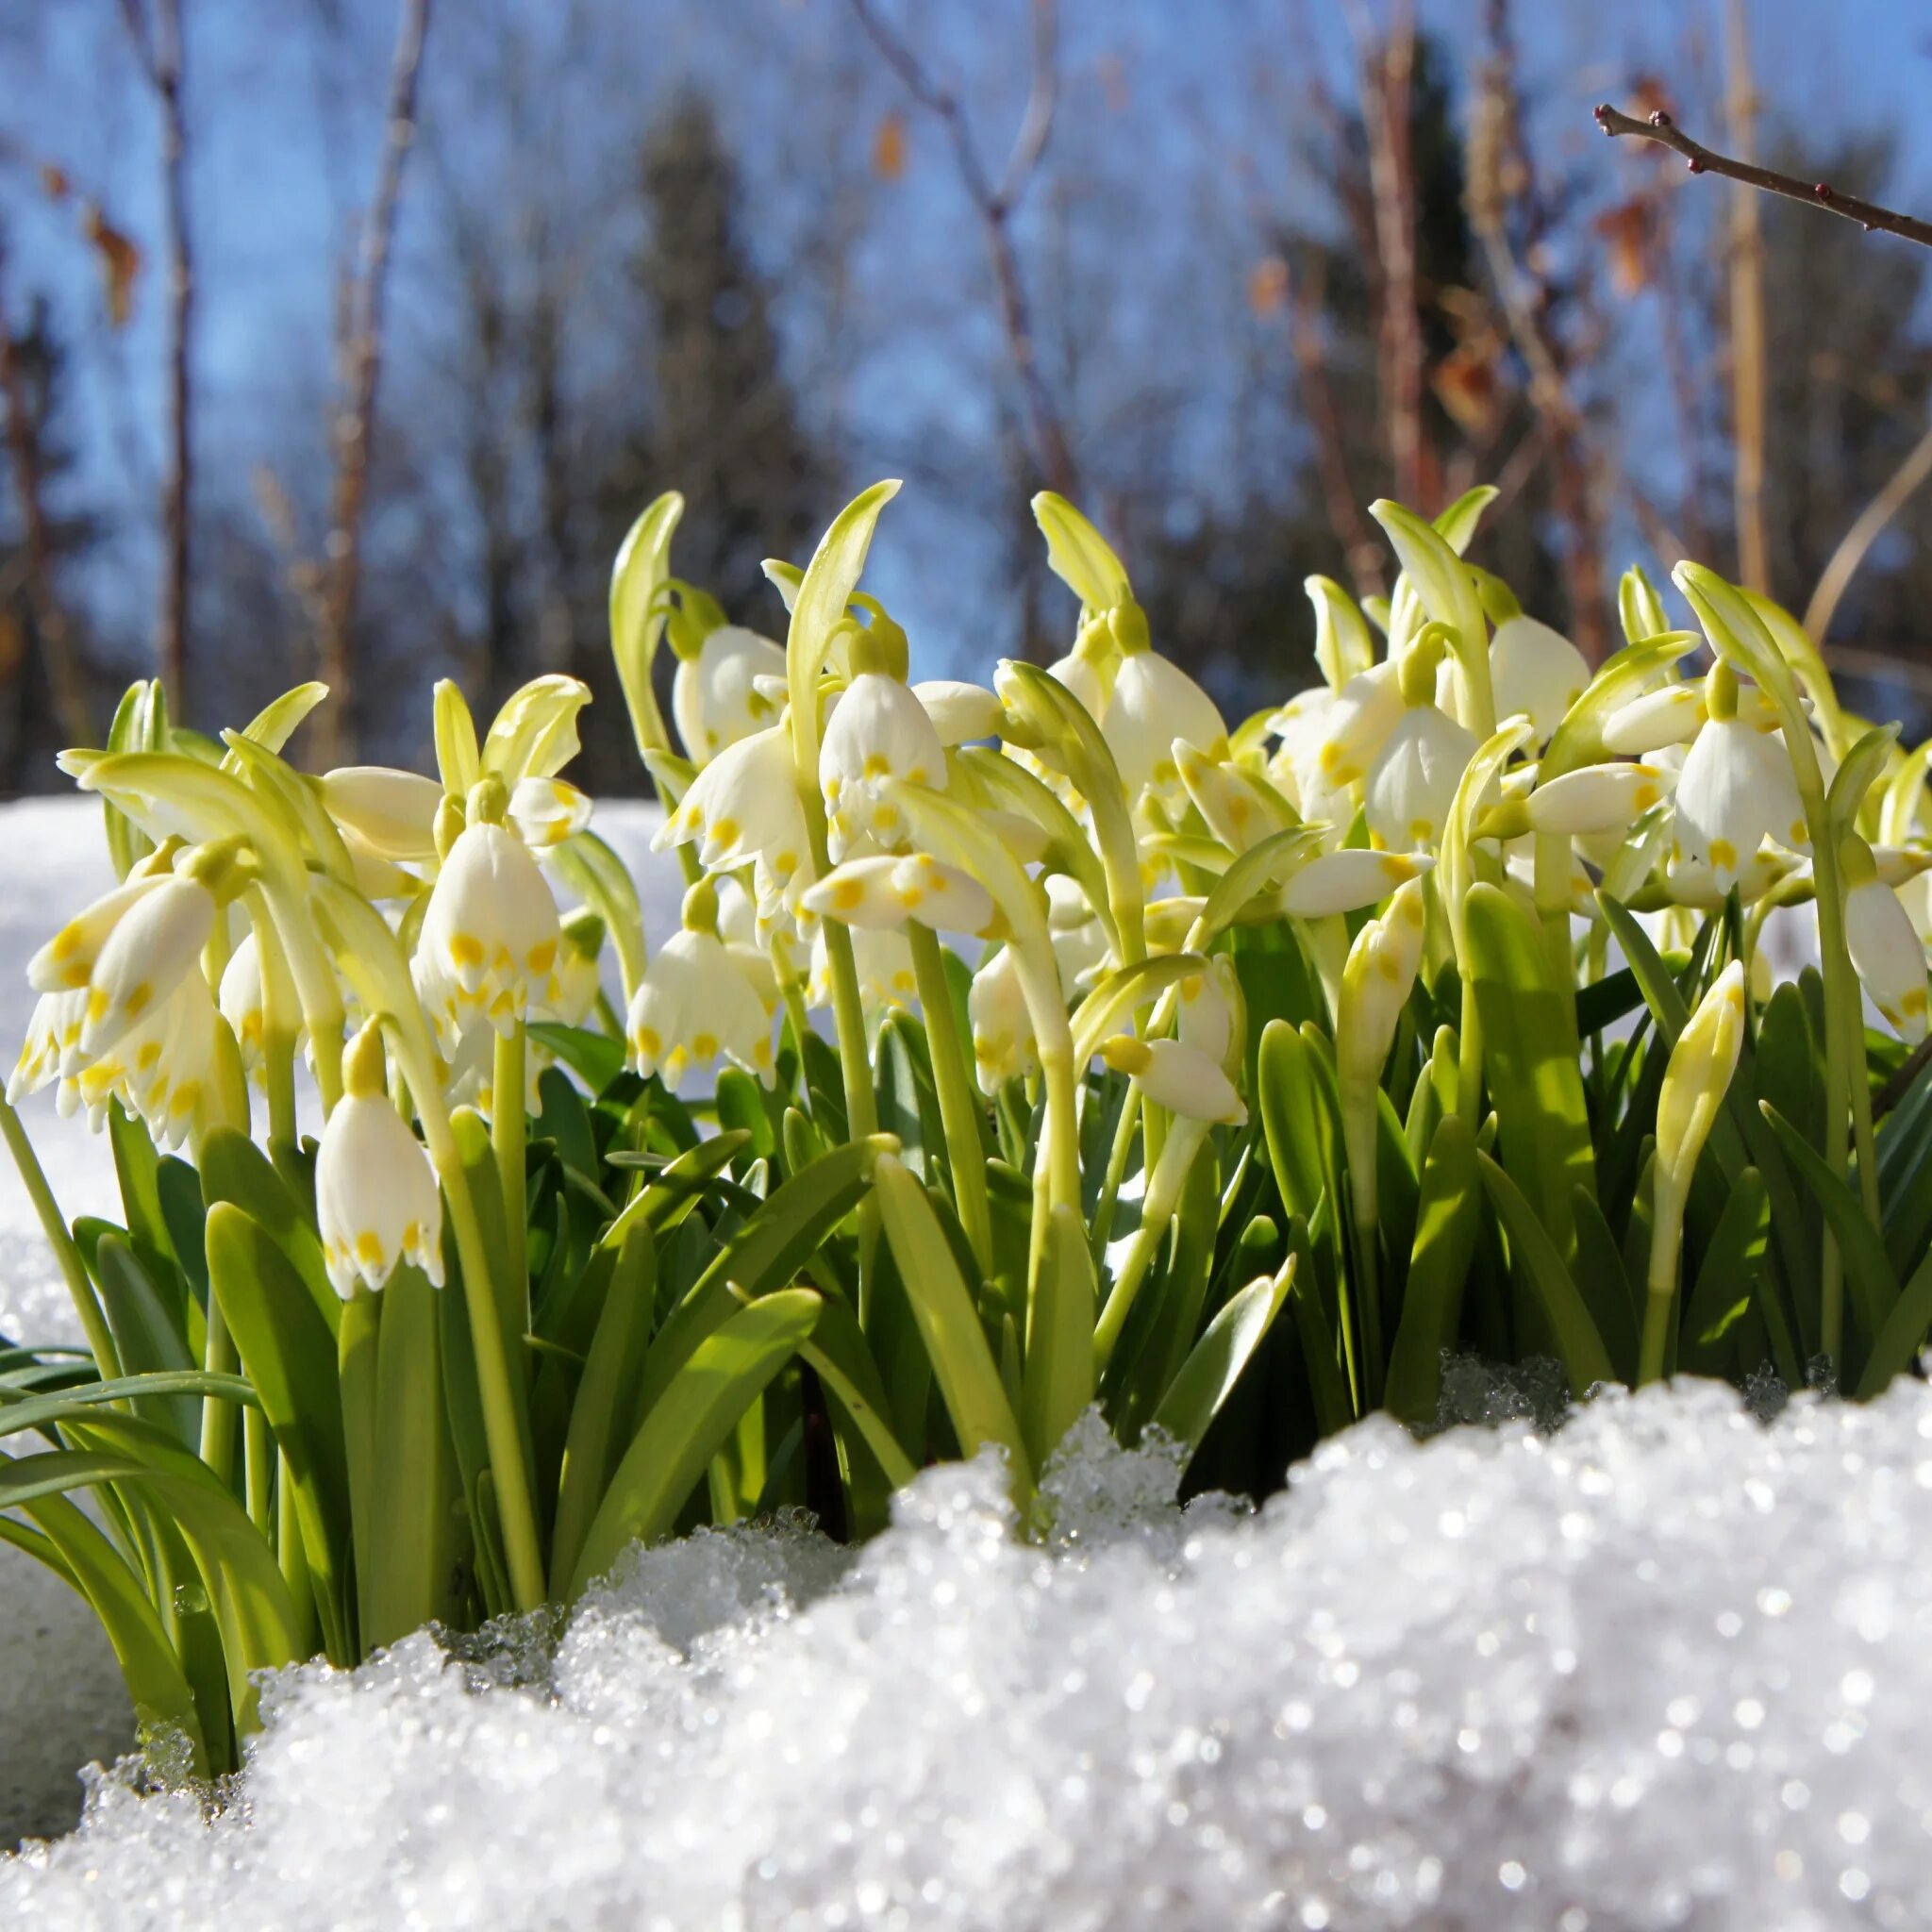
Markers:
point(1703, 160)
point(995, 205)
point(58, 650)
point(158, 52)
point(1865, 531)
point(356, 425)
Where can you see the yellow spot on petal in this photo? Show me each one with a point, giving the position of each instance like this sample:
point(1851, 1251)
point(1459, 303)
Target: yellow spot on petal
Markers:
point(543, 956)
point(465, 951)
point(647, 1042)
point(726, 831)
point(705, 1046)
point(138, 999)
point(146, 1059)
point(1398, 868)
point(97, 1004)
point(1723, 855)
point(876, 765)
point(1799, 832)
point(368, 1249)
point(848, 893)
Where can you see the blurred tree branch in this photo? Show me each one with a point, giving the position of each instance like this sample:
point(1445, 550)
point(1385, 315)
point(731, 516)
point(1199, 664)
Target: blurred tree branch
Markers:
point(57, 649)
point(1870, 525)
point(362, 358)
point(996, 204)
point(157, 52)
point(1658, 126)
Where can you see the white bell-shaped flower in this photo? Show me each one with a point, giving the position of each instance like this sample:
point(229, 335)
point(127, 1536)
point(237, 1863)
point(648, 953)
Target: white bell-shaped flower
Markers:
point(1348, 880)
point(51, 1050)
point(1672, 714)
point(388, 812)
point(1888, 955)
point(882, 892)
point(1356, 724)
point(1181, 1079)
point(67, 960)
point(1085, 679)
point(1079, 942)
point(1413, 780)
point(1207, 1009)
point(1595, 799)
point(376, 1201)
point(715, 697)
point(152, 946)
point(878, 734)
point(160, 1068)
point(960, 712)
point(694, 1004)
point(744, 806)
point(546, 811)
point(1377, 982)
point(242, 1002)
point(1239, 813)
point(888, 981)
point(1003, 1042)
point(1153, 702)
point(1535, 671)
point(1735, 790)
point(488, 947)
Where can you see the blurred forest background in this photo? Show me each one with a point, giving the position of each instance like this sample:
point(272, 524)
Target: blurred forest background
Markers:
point(344, 338)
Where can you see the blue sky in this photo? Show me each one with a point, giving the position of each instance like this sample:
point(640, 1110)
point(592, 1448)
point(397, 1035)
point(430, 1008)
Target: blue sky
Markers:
point(288, 125)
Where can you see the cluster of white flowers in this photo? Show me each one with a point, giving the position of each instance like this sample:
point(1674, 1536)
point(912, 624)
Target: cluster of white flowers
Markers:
point(1083, 834)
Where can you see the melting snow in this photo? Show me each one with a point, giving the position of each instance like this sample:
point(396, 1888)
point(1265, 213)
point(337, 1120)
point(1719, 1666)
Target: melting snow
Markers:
point(1667, 1668)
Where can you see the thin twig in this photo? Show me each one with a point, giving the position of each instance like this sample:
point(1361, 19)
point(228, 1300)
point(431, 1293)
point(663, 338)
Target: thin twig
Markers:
point(1747, 320)
point(1703, 160)
point(57, 651)
point(158, 54)
point(1387, 74)
point(356, 425)
point(1865, 531)
point(996, 204)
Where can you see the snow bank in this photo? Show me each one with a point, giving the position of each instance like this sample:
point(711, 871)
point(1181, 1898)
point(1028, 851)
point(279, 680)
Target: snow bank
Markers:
point(1667, 1668)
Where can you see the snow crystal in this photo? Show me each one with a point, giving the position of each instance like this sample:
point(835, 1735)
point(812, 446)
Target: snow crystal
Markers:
point(1662, 1669)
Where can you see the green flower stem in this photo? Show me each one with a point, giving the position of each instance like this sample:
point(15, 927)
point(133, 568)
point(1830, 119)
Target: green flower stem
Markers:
point(278, 1066)
point(1552, 889)
point(958, 1105)
point(292, 1554)
point(218, 1421)
point(94, 1322)
point(509, 1136)
point(258, 1462)
point(1116, 1172)
point(1164, 1187)
point(1667, 1233)
point(315, 986)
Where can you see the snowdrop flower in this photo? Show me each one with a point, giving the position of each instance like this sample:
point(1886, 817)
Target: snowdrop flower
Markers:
point(744, 806)
point(241, 1003)
point(878, 733)
point(160, 1068)
point(1356, 726)
point(1073, 929)
point(1413, 780)
point(960, 712)
point(1209, 1002)
point(151, 949)
point(1887, 952)
point(1003, 1042)
point(51, 1050)
point(1536, 672)
point(387, 812)
point(1593, 799)
point(694, 1003)
point(1239, 813)
point(1348, 880)
point(1694, 883)
point(1697, 1078)
point(1376, 985)
point(1735, 788)
point(1153, 702)
point(715, 696)
point(488, 947)
point(1181, 1079)
point(573, 987)
point(377, 1202)
point(546, 811)
point(882, 893)
point(1085, 679)
point(887, 978)
point(67, 960)
point(1672, 715)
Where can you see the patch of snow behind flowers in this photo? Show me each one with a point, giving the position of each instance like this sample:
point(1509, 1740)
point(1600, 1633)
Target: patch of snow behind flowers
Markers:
point(1667, 1668)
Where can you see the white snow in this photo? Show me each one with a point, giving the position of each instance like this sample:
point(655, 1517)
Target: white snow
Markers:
point(1665, 1667)
point(1668, 1667)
